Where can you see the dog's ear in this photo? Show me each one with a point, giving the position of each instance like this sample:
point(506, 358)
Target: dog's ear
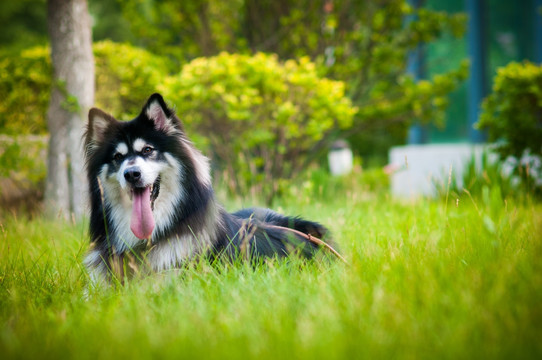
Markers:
point(98, 125)
point(163, 118)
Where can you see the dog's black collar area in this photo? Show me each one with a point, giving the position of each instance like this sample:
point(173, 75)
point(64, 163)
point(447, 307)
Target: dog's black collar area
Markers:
point(155, 191)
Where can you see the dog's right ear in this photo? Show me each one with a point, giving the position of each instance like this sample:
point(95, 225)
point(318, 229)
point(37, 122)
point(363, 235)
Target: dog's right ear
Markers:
point(98, 124)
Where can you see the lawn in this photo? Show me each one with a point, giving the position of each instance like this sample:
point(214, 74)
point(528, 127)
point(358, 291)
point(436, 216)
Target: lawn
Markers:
point(426, 279)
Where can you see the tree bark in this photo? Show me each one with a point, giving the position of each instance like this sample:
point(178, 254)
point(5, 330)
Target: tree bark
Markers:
point(57, 194)
point(71, 98)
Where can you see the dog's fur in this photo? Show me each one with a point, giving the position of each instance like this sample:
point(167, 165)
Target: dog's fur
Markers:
point(150, 159)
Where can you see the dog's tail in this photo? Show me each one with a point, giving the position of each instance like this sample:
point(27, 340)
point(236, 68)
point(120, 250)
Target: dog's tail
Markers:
point(313, 232)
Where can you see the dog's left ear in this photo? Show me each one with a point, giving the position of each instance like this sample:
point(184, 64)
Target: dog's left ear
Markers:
point(164, 118)
point(99, 124)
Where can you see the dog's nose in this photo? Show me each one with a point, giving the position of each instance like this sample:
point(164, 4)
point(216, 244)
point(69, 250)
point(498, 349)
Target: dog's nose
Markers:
point(132, 174)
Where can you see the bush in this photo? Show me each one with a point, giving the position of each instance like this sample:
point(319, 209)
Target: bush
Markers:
point(261, 118)
point(512, 113)
point(125, 76)
point(22, 171)
point(25, 82)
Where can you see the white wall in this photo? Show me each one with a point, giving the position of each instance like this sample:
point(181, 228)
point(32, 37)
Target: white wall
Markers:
point(418, 169)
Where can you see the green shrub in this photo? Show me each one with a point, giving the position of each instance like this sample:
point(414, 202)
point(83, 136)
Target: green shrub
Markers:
point(22, 171)
point(512, 113)
point(261, 118)
point(125, 76)
point(25, 80)
point(23, 158)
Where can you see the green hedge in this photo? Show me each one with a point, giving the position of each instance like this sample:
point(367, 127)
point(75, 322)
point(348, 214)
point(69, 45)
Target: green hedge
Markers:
point(125, 76)
point(259, 117)
point(25, 81)
point(512, 113)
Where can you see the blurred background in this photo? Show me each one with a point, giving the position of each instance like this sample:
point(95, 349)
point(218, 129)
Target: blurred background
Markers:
point(275, 91)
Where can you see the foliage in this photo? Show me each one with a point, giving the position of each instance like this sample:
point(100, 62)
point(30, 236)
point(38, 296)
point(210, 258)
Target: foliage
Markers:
point(25, 80)
point(23, 158)
point(125, 76)
point(425, 281)
point(261, 118)
point(184, 30)
point(23, 22)
point(512, 113)
point(363, 43)
point(22, 172)
point(371, 45)
point(108, 22)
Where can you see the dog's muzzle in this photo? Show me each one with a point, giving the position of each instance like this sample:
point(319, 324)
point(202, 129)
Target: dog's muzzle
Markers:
point(133, 176)
point(143, 197)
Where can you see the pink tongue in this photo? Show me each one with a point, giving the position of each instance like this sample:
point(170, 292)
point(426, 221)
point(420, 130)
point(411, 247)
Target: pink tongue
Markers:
point(142, 223)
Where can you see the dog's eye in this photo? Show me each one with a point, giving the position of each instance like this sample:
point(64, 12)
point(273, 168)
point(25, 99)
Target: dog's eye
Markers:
point(118, 157)
point(147, 150)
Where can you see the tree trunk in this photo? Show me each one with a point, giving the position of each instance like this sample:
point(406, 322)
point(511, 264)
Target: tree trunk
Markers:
point(71, 97)
point(57, 195)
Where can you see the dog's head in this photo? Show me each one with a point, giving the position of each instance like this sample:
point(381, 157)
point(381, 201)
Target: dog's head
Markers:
point(141, 167)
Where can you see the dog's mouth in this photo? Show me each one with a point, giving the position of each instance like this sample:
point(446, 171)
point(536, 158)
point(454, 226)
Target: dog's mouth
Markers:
point(143, 199)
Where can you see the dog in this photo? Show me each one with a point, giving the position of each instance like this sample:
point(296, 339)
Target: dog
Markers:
point(151, 197)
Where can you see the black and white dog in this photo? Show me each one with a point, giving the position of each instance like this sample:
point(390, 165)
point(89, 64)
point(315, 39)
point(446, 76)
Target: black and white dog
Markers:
point(151, 194)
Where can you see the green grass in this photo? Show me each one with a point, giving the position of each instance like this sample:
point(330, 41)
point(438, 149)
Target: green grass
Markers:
point(426, 279)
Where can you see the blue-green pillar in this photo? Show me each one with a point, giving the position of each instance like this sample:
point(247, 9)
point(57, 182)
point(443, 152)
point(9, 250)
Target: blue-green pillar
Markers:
point(538, 31)
point(417, 133)
point(477, 86)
